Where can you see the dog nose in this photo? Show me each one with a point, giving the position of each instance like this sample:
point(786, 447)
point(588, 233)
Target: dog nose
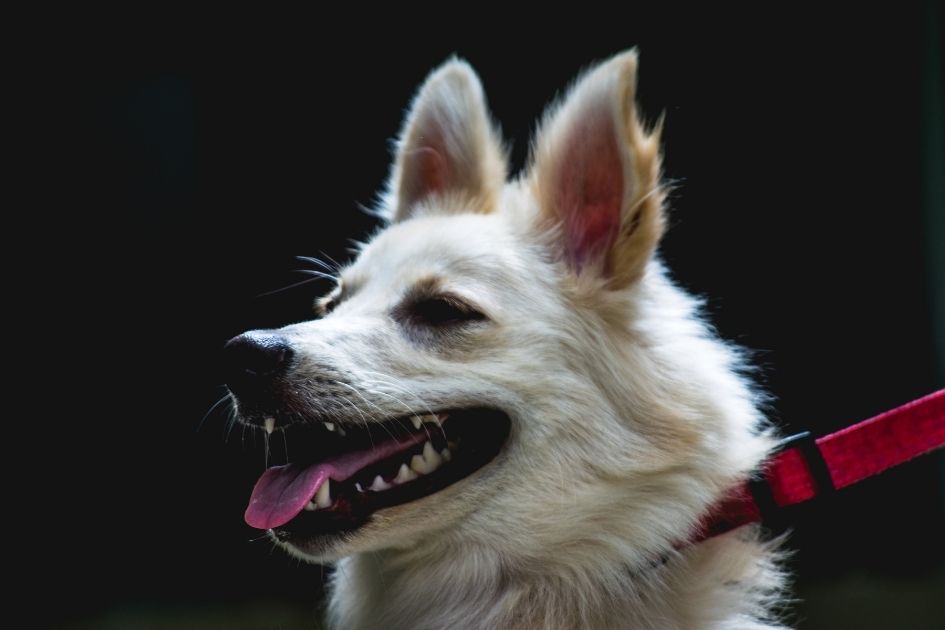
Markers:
point(254, 359)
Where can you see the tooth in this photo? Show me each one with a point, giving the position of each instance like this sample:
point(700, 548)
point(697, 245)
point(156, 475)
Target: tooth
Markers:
point(269, 424)
point(417, 421)
point(329, 425)
point(323, 496)
point(404, 474)
point(446, 455)
point(419, 465)
point(357, 486)
point(432, 419)
point(442, 417)
point(431, 456)
point(379, 484)
point(310, 507)
point(426, 463)
point(340, 431)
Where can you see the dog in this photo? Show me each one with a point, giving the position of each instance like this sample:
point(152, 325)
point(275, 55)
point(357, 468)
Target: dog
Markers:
point(508, 416)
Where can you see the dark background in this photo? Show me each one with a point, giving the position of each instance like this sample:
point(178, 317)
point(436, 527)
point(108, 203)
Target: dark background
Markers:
point(189, 169)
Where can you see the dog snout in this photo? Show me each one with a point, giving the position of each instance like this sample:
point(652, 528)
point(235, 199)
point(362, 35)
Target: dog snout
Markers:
point(254, 360)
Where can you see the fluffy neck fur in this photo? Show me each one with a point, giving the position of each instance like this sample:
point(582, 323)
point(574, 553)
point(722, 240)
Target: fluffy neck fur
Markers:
point(728, 582)
point(625, 572)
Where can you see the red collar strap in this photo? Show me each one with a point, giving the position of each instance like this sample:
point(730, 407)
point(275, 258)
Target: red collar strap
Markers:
point(803, 468)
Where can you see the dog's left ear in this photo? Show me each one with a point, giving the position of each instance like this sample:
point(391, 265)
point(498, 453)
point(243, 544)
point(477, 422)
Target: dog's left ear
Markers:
point(449, 156)
point(596, 174)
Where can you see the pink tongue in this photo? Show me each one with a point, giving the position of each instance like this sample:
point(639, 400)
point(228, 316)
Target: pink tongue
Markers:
point(282, 491)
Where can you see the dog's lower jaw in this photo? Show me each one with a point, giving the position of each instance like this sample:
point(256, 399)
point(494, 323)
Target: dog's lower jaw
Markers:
point(729, 582)
point(321, 552)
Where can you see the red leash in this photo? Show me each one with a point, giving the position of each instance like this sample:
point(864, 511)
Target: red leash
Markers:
point(804, 468)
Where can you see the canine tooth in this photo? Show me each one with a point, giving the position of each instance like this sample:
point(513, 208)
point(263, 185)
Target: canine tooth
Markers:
point(329, 425)
point(432, 419)
point(379, 484)
point(426, 463)
point(419, 465)
point(323, 496)
point(417, 421)
point(431, 455)
point(310, 507)
point(357, 486)
point(446, 455)
point(269, 424)
point(404, 474)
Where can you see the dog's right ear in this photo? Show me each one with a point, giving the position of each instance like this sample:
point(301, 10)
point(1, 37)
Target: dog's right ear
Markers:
point(449, 155)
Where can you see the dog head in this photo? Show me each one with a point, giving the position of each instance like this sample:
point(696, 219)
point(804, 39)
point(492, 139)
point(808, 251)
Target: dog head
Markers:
point(505, 364)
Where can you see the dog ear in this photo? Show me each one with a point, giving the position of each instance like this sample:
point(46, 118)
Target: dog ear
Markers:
point(448, 148)
point(596, 174)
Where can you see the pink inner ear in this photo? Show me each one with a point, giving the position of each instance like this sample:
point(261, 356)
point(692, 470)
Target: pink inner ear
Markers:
point(431, 171)
point(590, 188)
point(428, 167)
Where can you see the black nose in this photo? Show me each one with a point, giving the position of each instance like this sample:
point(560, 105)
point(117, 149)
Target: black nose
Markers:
point(254, 359)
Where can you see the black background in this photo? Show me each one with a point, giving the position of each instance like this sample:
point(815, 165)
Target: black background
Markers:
point(189, 169)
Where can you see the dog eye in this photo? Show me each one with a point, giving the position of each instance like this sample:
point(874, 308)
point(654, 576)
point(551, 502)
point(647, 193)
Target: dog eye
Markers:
point(443, 311)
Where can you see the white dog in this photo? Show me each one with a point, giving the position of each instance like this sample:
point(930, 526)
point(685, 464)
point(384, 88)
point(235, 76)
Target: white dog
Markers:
point(509, 416)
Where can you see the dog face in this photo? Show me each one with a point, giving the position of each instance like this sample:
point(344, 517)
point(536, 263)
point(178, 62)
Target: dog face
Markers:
point(504, 365)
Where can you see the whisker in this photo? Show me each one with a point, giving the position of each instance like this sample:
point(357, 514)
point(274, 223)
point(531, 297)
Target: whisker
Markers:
point(400, 421)
point(364, 421)
point(321, 263)
point(318, 274)
point(291, 286)
point(388, 380)
point(422, 403)
point(331, 260)
point(370, 403)
point(225, 398)
point(230, 425)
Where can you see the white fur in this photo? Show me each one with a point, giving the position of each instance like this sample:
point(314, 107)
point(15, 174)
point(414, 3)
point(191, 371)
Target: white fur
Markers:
point(630, 418)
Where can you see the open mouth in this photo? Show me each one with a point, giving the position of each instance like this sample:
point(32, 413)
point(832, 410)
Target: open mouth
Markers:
point(349, 471)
